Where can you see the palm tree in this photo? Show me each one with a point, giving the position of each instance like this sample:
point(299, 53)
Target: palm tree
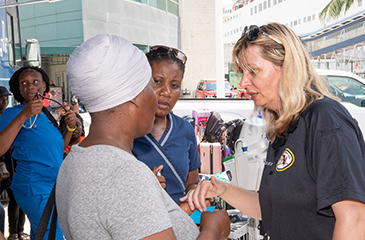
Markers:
point(334, 8)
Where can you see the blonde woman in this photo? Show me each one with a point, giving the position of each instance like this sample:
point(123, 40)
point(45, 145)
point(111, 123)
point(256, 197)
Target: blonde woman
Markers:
point(313, 182)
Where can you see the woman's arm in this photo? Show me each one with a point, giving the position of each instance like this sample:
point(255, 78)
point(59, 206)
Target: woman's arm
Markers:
point(245, 201)
point(350, 220)
point(213, 226)
point(192, 180)
point(8, 135)
point(70, 119)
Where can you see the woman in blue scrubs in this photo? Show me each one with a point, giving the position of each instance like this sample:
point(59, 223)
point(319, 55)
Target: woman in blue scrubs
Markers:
point(171, 146)
point(38, 144)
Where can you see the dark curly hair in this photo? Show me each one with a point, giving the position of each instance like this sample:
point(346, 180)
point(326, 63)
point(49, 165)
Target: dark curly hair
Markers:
point(14, 82)
point(169, 57)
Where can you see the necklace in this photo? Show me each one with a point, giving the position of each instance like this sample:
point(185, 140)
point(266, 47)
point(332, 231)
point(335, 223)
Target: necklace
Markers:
point(159, 134)
point(31, 125)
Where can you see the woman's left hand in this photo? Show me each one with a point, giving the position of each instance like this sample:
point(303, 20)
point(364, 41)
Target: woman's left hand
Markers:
point(160, 178)
point(70, 119)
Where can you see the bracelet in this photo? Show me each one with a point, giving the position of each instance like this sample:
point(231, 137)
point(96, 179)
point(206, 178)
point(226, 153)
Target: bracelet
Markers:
point(70, 129)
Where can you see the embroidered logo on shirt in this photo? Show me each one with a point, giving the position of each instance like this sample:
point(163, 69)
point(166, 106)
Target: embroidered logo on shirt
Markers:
point(285, 161)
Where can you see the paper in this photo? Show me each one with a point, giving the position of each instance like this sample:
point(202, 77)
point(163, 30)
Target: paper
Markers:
point(197, 214)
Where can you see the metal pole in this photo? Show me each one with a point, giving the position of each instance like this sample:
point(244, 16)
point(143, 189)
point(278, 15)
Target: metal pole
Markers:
point(219, 48)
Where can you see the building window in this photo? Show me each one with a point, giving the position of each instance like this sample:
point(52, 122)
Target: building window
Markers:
point(309, 18)
point(160, 4)
point(304, 20)
point(291, 24)
point(313, 17)
point(255, 9)
point(268, 3)
point(241, 29)
point(295, 22)
point(360, 3)
point(141, 1)
point(251, 11)
point(279, 1)
point(275, 2)
point(14, 44)
point(260, 7)
point(265, 5)
point(299, 21)
point(173, 7)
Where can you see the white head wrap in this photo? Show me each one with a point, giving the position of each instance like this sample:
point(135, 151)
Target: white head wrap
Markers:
point(106, 71)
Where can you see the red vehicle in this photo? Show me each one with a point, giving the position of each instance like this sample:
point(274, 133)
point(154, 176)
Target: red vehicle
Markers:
point(208, 89)
point(242, 94)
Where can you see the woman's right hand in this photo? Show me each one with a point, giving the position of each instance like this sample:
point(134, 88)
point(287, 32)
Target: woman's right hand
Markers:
point(31, 108)
point(217, 224)
point(206, 189)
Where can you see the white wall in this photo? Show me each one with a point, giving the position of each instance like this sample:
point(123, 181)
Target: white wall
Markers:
point(198, 41)
point(139, 23)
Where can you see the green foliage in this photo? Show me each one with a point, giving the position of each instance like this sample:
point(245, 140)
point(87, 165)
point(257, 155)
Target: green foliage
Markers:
point(334, 9)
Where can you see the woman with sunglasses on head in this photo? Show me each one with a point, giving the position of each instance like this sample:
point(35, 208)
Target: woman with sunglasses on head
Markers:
point(171, 146)
point(38, 145)
point(312, 186)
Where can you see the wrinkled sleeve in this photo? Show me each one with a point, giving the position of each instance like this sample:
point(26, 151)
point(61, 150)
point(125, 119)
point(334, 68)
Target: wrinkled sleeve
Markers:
point(338, 163)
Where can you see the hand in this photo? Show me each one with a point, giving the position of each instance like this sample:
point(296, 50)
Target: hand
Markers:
point(184, 206)
point(70, 119)
point(32, 107)
point(218, 222)
point(205, 189)
point(160, 178)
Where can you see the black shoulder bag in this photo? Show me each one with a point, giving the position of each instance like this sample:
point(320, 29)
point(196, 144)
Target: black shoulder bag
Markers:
point(46, 215)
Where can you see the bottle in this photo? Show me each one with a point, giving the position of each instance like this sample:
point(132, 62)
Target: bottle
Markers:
point(248, 166)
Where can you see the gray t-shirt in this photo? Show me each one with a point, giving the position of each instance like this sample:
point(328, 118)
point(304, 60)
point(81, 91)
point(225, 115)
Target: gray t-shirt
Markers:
point(103, 192)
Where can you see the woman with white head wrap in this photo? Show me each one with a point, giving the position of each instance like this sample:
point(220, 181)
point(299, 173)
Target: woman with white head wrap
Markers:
point(103, 191)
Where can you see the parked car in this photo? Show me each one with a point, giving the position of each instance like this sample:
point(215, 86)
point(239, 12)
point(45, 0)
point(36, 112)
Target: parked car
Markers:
point(345, 85)
point(208, 89)
point(243, 94)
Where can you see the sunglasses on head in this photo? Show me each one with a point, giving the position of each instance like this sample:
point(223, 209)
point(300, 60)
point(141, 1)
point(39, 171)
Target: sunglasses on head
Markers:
point(163, 50)
point(253, 31)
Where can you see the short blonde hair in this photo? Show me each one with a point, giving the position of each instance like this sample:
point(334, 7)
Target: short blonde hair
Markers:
point(299, 84)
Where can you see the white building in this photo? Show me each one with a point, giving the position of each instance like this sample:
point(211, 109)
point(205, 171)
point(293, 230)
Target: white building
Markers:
point(301, 16)
point(335, 44)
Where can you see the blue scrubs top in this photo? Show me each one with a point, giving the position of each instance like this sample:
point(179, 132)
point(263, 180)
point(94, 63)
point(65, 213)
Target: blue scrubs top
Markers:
point(177, 151)
point(38, 151)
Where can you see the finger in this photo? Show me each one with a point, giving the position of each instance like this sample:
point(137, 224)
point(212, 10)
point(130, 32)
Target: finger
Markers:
point(183, 199)
point(154, 170)
point(161, 179)
point(188, 199)
point(203, 193)
point(196, 196)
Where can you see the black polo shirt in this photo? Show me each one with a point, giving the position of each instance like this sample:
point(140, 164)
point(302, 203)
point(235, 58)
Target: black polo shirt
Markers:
point(319, 162)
